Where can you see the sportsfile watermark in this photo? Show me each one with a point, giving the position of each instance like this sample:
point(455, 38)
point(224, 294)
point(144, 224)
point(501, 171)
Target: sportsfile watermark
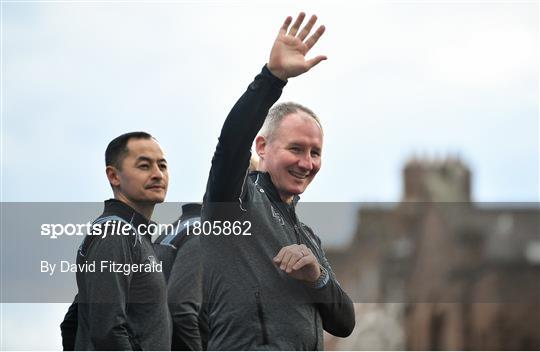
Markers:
point(114, 227)
point(379, 252)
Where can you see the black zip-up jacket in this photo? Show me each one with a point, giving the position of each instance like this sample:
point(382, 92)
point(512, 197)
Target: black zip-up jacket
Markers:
point(251, 303)
point(181, 257)
point(115, 310)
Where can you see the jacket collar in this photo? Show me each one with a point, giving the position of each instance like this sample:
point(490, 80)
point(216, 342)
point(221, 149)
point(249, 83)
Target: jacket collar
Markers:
point(264, 180)
point(121, 209)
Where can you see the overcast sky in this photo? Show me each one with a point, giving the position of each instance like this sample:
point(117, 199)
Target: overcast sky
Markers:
point(402, 78)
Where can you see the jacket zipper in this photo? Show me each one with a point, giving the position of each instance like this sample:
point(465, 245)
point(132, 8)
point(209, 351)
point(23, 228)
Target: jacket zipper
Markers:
point(300, 233)
point(262, 323)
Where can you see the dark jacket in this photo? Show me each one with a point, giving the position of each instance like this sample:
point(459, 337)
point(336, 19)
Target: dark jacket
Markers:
point(68, 327)
point(181, 257)
point(252, 304)
point(121, 310)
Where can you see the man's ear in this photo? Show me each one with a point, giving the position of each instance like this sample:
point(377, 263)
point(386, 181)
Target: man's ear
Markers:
point(112, 175)
point(260, 146)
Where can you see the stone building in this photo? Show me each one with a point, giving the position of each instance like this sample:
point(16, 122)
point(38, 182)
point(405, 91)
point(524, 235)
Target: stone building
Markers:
point(437, 272)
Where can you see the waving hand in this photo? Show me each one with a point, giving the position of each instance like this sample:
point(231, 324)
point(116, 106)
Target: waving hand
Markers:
point(288, 55)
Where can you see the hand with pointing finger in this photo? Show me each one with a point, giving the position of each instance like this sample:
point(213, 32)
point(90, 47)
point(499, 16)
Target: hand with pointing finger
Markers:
point(298, 262)
point(288, 55)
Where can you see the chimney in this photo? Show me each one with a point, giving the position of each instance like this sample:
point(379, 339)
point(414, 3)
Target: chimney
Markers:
point(436, 180)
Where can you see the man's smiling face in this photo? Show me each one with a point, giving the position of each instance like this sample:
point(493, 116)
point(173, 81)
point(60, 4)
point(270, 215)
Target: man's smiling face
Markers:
point(292, 156)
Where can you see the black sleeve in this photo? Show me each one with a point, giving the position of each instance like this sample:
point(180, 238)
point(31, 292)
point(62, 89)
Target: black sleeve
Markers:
point(336, 309)
point(185, 297)
point(108, 292)
point(335, 306)
point(231, 158)
point(68, 327)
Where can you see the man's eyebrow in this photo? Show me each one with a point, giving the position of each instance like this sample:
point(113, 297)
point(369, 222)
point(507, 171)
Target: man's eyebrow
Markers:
point(143, 158)
point(148, 159)
point(300, 144)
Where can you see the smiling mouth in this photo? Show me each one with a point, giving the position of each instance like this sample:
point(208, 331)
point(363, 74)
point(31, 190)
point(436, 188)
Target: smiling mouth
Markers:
point(298, 175)
point(156, 187)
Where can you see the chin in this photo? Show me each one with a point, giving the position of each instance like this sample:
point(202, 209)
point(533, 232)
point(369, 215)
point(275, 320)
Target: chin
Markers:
point(155, 199)
point(160, 199)
point(295, 191)
point(299, 188)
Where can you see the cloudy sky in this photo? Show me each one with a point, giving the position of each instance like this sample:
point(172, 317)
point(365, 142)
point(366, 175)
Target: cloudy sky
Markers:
point(403, 78)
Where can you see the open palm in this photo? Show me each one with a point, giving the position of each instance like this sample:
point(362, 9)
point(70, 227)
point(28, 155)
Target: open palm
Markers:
point(288, 55)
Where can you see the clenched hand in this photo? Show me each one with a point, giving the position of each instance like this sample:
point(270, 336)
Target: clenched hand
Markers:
point(299, 262)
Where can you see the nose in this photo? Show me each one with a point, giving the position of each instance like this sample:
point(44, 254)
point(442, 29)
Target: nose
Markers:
point(306, 162)
point(157, 173)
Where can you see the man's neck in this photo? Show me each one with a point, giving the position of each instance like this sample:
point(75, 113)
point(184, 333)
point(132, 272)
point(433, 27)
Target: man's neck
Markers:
point(286, 198)
point(144, 209)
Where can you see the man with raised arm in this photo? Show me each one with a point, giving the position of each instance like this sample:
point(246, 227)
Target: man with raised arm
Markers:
point(267, 283)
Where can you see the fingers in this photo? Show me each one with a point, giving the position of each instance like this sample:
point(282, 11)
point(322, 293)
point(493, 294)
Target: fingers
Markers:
point(307, 258)
point(279, 257)
point(315, 37)
point(307, 28)
point(285, 26)
point(294, 257)
point(289, 259)
point(284, 255)
point(288, 256)
point(297, 23)
point(302, 262)
point(305, 31)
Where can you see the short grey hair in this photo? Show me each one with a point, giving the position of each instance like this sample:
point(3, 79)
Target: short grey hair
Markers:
point(278, 112)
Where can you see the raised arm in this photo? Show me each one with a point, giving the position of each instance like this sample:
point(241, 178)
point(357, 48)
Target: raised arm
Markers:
point(287, 59)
